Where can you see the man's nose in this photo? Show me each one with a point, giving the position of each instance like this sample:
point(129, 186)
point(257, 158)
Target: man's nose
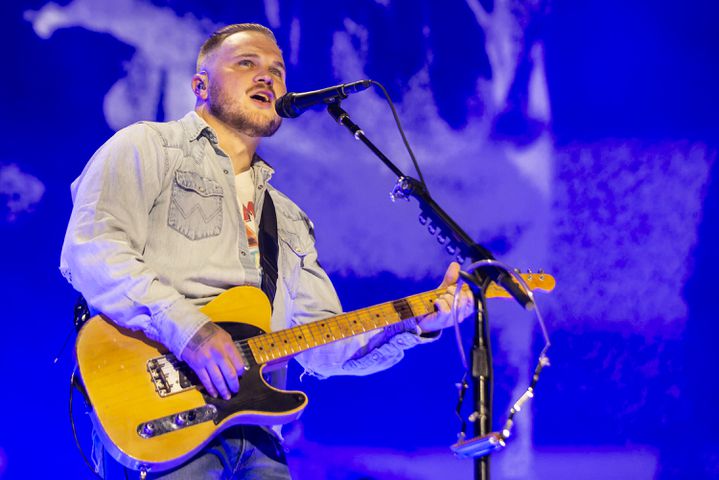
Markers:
point(265, 78)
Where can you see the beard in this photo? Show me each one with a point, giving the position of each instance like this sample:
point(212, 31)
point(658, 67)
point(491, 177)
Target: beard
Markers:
point(227, 109)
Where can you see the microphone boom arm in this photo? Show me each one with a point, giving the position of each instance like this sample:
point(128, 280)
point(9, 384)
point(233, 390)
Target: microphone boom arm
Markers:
point(457, 242)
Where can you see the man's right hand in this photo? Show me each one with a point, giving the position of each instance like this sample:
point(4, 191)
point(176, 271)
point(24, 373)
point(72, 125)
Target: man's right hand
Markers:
point(213, 356)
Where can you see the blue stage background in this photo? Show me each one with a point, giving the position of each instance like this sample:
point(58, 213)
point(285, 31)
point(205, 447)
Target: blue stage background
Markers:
point(577, 137)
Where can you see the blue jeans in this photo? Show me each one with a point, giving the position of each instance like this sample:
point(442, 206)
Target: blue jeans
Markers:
point(241, 453)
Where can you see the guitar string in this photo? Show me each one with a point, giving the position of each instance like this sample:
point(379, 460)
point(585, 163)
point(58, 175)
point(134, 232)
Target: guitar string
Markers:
point(342, 324)
point(376, 317)
point(266, 345)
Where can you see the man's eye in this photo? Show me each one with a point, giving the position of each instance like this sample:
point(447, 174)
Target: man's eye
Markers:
point(245, 63)
point(276, 71)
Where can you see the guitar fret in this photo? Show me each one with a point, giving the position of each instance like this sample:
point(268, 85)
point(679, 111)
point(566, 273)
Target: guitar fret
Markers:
point(367, 320)
point(357, 323)
point(288, 342)
point(281, 345)
point(372, 317)
point(268, 347)
point(316, 334)
point(309, 335)
point(403, 309)
point(272, 348)
point(336, 328)
point(280, 342)
point(294, 342)
point(389, 315)
point(348, 325)
point(301, 336)
point(255, 346)
point(324, 332)
point(420, 305)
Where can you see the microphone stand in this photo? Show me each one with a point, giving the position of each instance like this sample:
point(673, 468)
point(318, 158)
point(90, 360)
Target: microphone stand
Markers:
point(461, 246)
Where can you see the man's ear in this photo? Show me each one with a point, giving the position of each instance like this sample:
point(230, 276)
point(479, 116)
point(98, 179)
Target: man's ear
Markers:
point(199, 85)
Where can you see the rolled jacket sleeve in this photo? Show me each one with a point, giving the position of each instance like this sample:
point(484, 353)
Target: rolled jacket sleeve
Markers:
point(362, 354)
point(102, 251)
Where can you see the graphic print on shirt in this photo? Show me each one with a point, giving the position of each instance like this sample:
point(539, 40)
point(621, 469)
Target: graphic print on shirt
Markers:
point(248, 215)
point(245, 187)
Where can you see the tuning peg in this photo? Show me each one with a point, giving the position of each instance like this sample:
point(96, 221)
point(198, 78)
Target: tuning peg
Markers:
point(422, 219)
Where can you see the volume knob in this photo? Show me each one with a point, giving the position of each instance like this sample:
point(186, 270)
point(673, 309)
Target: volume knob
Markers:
point(181, 419)
point(148, 429)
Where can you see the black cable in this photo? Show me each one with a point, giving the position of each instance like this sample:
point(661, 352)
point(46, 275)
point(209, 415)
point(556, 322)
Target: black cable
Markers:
point(488, 346)
point(74, 431)
point(462, 387)
point(64, 345)
point(481, 300)
point(401, 132)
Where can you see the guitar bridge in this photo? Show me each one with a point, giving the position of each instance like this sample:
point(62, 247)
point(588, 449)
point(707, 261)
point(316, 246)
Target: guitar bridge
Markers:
point(169, 375)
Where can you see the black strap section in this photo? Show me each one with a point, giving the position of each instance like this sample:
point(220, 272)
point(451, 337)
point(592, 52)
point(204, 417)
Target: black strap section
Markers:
point(81, 313)
point(269, 247)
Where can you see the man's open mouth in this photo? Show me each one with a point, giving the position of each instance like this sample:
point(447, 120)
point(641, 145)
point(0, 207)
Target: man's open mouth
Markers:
point(261, 97)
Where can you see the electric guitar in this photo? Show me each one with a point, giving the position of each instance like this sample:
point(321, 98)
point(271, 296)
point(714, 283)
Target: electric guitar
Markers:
point(153, 414)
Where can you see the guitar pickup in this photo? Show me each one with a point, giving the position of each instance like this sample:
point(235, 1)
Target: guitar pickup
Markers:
point(177, 421)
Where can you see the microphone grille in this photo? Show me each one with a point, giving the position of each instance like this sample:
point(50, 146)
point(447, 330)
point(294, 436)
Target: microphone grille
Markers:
point(284, 107)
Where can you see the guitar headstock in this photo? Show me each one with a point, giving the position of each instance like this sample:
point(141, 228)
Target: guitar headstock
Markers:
point(539, 280)
point(535, 280)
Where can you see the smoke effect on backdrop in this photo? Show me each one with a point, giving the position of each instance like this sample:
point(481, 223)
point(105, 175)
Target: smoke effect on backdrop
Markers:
point(575, 137)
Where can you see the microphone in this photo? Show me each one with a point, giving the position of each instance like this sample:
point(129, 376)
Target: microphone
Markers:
point(292, 105)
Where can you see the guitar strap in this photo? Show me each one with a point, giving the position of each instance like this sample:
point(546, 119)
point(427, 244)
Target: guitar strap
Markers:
point(269, 247)
point(269, 251)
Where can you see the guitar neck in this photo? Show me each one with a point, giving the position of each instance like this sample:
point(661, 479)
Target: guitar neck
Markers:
point(275, 346)
point(283, 344)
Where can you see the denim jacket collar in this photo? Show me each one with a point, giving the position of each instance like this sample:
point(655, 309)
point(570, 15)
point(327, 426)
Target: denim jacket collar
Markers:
point(195, 126)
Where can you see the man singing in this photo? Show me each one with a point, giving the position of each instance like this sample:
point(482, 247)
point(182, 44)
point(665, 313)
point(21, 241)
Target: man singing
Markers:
point(168, 216)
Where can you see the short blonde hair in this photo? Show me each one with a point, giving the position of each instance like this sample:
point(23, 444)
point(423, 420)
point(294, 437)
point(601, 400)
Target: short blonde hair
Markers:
point(218, 36)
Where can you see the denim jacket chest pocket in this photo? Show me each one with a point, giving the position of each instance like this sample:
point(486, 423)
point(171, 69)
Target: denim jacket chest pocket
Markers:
point(295, 243)
point(195, 206)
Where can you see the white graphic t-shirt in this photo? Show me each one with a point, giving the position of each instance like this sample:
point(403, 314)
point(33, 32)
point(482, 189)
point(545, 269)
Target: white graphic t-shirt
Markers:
point(245, 186)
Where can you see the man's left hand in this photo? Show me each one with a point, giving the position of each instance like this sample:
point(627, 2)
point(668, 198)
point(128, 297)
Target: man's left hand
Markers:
point(443, 316)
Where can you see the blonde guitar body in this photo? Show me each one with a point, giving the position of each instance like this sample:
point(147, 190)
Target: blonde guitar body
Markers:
point(113, 363)
point(153, 414)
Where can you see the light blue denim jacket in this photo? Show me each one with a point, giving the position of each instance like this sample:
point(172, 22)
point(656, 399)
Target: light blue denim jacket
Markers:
point(156, 232)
